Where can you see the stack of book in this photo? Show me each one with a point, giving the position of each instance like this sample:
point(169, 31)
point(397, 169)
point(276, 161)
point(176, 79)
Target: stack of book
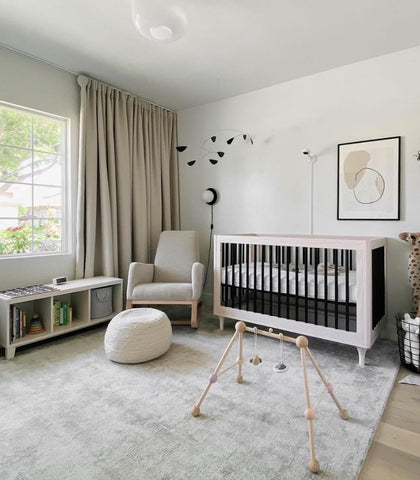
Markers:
point(18, 325)
point(63, 314)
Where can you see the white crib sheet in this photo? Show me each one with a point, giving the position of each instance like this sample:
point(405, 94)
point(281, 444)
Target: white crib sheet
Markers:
point(292, 283)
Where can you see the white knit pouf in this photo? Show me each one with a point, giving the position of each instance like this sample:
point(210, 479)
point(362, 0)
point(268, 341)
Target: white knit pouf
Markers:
point(137, 335)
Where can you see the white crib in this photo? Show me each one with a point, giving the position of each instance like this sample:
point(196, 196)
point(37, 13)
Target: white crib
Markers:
point(321, 286)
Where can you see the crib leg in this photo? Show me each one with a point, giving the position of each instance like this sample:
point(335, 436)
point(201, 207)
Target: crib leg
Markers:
point(221, 323)
point(362, 354)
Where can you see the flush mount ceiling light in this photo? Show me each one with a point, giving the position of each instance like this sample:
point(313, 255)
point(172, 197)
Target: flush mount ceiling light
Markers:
point(161, 32)
point(159, 21)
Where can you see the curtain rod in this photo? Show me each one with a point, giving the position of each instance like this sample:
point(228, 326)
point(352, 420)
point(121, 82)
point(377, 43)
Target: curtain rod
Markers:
point(81, 76)
point(65, 69)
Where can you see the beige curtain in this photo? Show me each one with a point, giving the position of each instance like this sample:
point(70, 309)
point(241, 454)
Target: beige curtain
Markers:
point(128, 179)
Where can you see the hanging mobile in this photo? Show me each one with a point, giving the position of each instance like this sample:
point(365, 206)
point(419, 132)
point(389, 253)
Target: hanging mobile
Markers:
point(255, 360)
point(280, 367)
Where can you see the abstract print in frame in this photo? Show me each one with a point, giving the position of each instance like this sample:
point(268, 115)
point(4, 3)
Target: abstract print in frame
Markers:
point(369, 180)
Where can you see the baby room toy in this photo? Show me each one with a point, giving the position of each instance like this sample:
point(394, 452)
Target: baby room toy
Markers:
point(408, 326)
point(414, 266)
point(302, 343)
point(281, 366)
point(255, 360)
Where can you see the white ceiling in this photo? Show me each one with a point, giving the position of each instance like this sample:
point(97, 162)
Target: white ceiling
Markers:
point(230, 46)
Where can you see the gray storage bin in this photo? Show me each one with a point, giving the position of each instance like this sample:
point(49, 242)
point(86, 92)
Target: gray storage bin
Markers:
point(100, 302)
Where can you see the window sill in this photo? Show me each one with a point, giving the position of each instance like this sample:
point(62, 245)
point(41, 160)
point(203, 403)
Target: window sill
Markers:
point(26, 256)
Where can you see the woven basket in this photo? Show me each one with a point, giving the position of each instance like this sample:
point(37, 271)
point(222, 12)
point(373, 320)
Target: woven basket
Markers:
point(408, 345)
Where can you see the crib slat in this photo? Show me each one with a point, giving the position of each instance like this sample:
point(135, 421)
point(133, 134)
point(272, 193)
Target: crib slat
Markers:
point(325, 287)
point(347, 266)
point(270, 257)
point(316, 286)
point(247, 278)
point(223, 266)
point(297, 283)
point(262, 277)
point(305, 262)
point(255, 278)
point(226, 286)
point(228, 266)
point(240, 260)
point(228, 262)
point(279, 262)
point(232, 286)
point(335, 262)
point(287, 282)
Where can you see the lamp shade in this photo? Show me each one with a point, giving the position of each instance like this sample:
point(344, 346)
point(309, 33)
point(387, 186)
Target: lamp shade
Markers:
point(210, 196)
point(158, 20)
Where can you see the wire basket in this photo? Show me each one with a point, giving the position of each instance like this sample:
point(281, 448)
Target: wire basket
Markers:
point(408, 343)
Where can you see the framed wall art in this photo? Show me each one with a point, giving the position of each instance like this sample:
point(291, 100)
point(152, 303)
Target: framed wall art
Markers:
point(368, 183)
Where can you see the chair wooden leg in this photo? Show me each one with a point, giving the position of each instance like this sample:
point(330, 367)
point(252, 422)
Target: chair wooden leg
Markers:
point(129, 304)
point(194, 315)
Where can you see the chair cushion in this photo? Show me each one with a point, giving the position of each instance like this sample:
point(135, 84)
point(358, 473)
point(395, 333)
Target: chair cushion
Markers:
point(176, 252)
point(162, 291)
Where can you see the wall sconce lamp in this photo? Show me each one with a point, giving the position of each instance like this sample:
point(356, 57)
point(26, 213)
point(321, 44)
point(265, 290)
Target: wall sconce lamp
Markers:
point(210, 196)
point(312, 158)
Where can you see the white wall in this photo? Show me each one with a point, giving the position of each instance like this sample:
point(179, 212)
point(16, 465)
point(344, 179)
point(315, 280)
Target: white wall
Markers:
point(265, 187)
point(33, 84)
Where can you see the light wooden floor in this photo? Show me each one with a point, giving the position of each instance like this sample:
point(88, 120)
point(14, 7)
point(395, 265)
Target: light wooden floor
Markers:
point(395, 451)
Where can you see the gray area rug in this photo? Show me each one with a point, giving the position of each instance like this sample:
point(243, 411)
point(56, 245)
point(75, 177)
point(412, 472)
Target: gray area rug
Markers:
point(66, 412)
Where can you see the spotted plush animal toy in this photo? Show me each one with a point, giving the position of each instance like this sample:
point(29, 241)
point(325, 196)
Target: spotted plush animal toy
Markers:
point(414, 266)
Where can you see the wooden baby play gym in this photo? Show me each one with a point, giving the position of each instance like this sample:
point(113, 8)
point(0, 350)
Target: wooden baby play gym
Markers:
point(302, 343)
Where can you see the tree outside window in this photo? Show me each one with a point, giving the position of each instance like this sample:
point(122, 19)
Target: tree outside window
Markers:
point(32, 160)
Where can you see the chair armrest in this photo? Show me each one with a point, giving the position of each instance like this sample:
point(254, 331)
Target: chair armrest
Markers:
point(197, 278)
point(138, 273)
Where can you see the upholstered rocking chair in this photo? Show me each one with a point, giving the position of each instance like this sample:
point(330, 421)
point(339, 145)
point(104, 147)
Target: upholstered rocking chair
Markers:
point(175, 278)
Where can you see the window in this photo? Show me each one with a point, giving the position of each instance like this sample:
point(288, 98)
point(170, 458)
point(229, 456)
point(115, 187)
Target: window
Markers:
point(33, 150)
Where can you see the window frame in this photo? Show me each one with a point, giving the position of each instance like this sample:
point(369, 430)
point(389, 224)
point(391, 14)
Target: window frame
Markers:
point(65, 179)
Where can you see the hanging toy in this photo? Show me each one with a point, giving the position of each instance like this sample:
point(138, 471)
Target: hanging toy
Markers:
point(280, 367)
point(255, 360)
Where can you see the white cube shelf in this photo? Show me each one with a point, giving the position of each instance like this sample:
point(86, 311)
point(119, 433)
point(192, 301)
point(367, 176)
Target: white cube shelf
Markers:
point(76, 293)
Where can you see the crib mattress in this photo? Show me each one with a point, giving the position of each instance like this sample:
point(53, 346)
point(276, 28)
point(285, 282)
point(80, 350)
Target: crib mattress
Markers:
point(281, 272)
